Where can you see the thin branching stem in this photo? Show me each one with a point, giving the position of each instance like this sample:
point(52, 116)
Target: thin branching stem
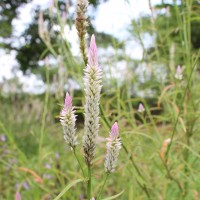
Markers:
point(171, 177)
point(182, 101)
point(102, 187)
point(89, 183)
point(44, 114)
point(143, 187)
point(74, 150)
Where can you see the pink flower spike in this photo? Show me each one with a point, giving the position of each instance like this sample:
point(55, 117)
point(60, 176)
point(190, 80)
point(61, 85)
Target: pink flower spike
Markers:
point(17, 196)
point(114, 131)
point(68, 101)
point(93, 57)
point(141, 108)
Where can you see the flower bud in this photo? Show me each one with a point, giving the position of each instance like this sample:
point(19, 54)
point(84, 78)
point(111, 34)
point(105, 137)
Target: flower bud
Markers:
point(141, 108)
point(179, 73)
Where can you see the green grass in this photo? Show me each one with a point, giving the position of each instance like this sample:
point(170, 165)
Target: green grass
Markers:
point(34, 134)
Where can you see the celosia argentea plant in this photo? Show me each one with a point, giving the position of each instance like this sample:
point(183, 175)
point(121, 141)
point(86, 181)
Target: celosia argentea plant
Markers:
point(92, 87)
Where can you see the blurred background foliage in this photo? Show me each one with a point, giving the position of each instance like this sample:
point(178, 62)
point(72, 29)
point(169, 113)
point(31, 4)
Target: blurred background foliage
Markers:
point(30, 122)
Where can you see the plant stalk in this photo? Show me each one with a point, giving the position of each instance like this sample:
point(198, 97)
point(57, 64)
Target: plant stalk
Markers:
point(89, 185)
point(102, 187)
point(74, 150)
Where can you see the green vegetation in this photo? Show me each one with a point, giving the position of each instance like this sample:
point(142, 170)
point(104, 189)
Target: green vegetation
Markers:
point(34, 158)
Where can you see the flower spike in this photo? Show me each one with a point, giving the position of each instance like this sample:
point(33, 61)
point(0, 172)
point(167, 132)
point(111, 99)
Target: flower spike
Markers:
point(68, 119)
point(113, 148)
point(92, 82)
point(17, 196)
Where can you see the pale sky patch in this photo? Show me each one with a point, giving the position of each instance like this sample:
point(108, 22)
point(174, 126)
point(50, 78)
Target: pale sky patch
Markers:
point(112, 17)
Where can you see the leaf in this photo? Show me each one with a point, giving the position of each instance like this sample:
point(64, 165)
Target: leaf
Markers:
point(115, 196)
point(68, 187)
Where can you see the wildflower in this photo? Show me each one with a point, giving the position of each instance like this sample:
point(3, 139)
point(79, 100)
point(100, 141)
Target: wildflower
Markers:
point(179, 73)
point(3, 138)
point(81, 25)
point(164, 148)
point(57, 155)
point(141, 108)
point(48, 166)
point(68, 119)
point(17, 196)
point(47, 176)
point(113, 148)
point(92, 82)
point(26, 185)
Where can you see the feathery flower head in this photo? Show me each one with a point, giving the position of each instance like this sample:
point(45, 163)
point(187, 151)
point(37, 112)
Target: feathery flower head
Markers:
point(93, 56)
point(141, 108)
point(92, 82)
point(17, 196)
point(179, 73)
point(113, 147)
point(68, 119)
point(114, 131)
point(81, 25)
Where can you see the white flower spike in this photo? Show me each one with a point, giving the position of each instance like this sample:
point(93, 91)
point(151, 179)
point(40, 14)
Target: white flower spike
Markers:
point(68, 119)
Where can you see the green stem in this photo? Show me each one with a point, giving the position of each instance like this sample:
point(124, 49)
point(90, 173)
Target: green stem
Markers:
point(172, 177)
point(44, 114)
point(102, 187)
point(74, 150)
point(143, 187)
point(89, 182)
point(182, 101)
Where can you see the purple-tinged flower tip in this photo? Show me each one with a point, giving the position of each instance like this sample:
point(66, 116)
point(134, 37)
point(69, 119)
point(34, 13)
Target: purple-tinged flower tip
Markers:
point(93, 56)
point(141, 108)
point(57, 155)
point(68, 101)
point(114, 131)
point(3, 138)
point(47, 166)
point(179, 70)
point(26, 185)
point(17, 196)
point(179, 73)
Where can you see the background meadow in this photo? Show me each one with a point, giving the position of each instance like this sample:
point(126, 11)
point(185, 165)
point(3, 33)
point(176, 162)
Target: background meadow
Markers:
point(140, 66)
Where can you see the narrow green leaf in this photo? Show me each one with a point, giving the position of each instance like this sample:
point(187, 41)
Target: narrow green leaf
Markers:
point(115, 196)
point(68, 187)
